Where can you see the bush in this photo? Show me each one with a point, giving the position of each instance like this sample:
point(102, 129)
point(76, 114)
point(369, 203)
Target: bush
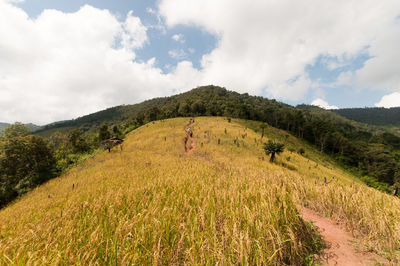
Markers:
point(301, 151)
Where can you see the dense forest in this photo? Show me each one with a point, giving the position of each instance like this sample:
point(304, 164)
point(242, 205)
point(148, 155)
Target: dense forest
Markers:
point(374, 116)
point(372, 155)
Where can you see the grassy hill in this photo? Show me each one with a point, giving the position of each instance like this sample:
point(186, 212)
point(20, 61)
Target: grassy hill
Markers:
point(224, 203)
point(371, 152)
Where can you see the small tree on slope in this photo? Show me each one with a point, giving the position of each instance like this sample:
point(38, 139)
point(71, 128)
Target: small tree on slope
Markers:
point(273, 147)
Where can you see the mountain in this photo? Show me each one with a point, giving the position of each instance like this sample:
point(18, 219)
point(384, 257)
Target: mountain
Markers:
point(222, 202)
point(374, 116)
point(206, 100)
point(32, 127)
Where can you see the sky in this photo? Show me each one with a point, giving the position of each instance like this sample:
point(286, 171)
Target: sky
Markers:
point(64, 59)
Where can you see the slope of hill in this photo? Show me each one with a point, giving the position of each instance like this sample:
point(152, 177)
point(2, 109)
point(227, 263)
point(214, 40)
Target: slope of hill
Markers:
point(374, 116)
point(371, 152)
point(223, 202)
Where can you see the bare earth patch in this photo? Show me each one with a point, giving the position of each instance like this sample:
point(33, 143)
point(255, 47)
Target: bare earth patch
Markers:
point(339, 250)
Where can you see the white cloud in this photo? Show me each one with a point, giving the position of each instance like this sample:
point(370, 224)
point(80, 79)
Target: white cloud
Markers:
point(177, 54)
point(135, 35)
point(323, 104)
point(64, 65)
point(382, 70)
point(266, 44)
point(151, 11)
point(390, 100)
point(178, 38)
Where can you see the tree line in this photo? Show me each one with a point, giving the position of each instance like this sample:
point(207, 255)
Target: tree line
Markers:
point(28, 160)
point(374, 115)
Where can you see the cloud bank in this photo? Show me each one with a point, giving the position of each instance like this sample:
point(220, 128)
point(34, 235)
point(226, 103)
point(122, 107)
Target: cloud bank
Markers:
point(323, 104)
point(390, 100)
point(265, 46)
point(63, 65)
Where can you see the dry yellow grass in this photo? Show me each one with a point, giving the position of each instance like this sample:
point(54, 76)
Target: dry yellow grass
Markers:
point(154, 204)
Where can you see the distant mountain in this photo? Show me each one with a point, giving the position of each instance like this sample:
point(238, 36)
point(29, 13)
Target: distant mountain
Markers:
point(2, 127)
point(32, 127)
point(374, 116)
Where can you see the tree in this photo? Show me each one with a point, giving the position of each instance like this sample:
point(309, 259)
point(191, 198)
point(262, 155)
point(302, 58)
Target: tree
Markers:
point(152, 113)
point(16, 130)
point(78, 143)
point(184, 109)
point(104, 133)
point(116, 132)
point(198, 107)
point(273, 147)
point(25, 161)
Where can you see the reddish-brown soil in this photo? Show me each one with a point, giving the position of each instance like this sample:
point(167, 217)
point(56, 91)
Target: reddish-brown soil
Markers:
point(192, 145)
point(340, 249)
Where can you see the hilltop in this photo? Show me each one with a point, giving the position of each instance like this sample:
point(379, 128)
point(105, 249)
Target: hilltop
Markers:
point(368, 151)
point(207, 100)
point(152, 203)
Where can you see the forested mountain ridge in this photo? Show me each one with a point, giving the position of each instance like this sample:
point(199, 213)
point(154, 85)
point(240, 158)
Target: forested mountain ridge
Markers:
point(372, 115)
point(207, 100)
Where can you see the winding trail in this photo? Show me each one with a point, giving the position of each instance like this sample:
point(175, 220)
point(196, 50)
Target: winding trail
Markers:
point(339, 250)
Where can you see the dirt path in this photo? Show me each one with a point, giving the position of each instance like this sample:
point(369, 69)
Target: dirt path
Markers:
point(189, 137)
point(339, 250)
point(192, 145)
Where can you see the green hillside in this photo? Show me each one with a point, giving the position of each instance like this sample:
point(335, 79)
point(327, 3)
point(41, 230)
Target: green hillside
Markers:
point(208, 100)
point(374, 116)
point(220, 203)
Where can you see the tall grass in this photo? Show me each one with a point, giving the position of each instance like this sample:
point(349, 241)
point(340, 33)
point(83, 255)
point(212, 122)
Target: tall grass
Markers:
point(154, 204)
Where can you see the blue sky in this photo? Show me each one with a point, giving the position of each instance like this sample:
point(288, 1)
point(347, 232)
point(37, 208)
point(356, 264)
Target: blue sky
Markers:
point(63, 59)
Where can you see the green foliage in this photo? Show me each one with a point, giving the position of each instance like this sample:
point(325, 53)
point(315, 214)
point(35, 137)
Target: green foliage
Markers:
point(29, 160)
point(16, 130)
point(25, 161)
point(117, 132)
point(272, 148)
point(104, 133)
point(374, 116)
point(78, 142)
